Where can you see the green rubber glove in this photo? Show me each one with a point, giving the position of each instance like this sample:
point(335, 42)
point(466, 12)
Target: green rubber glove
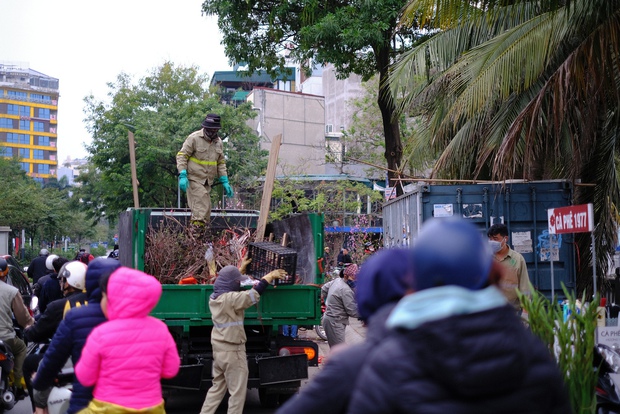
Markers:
point(183, 180)
point(227, 187)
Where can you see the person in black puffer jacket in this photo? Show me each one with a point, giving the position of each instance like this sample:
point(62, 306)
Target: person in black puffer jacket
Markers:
point(457, 346)
point(71, 337)
point(380, 284)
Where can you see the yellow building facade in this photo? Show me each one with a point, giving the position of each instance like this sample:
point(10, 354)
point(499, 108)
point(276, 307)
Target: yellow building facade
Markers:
point(28, 119)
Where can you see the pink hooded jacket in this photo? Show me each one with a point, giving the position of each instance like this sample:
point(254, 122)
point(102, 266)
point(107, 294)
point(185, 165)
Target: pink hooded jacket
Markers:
point(126, 357)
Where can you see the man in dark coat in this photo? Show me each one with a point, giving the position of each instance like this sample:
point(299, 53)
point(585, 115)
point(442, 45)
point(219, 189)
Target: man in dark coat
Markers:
point(380, 284)
point(71, 337)
point(457, 345)
point(344, 258)
point(37, 268)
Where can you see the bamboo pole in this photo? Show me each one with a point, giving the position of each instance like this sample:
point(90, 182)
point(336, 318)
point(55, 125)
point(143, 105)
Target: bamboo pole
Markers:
point(134, 175)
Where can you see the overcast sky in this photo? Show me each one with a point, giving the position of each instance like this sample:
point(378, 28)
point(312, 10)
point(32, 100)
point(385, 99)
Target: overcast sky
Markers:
point(86, 44)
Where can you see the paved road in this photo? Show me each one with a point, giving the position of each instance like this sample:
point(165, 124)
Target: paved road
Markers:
point(190, 403)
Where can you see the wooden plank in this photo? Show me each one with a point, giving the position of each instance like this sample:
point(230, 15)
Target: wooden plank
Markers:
point(268, 187)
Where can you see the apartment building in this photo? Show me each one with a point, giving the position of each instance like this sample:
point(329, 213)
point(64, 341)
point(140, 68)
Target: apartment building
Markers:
point(28, 119)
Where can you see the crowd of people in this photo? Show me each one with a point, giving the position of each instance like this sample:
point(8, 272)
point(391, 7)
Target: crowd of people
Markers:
point(96, 313)
point(444, 333)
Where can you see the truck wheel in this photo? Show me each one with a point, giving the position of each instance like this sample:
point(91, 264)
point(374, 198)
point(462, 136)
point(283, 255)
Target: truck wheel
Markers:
point(268, 400)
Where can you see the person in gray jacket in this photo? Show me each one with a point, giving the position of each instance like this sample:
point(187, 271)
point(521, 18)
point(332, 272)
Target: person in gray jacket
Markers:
point(11, 303)
point(381, 283)
point(340, 305)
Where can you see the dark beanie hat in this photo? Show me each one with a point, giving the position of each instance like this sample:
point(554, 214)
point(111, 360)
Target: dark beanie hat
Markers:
point(228, 280)
point(383, 278)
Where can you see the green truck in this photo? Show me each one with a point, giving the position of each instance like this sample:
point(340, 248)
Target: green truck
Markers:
point(277, 364)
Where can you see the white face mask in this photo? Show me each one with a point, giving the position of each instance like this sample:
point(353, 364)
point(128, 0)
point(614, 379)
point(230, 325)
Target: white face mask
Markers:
point(495, 246)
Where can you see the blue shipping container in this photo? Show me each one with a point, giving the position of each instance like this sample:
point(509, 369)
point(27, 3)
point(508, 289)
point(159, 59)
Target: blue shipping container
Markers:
point(522, 206)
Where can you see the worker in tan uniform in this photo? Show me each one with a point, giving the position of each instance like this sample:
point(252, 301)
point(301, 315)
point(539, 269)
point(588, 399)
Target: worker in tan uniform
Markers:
point(227, 305)
point(516, 277)
point(201, 164)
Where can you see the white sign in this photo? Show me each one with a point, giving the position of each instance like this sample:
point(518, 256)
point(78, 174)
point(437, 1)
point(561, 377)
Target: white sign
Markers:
point(609, 335)
point(443, 210)
point(522, 242)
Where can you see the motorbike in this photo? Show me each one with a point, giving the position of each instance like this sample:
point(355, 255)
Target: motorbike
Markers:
point(318, 329)
point(60, 393)
point(607, 360)
point(7, 388)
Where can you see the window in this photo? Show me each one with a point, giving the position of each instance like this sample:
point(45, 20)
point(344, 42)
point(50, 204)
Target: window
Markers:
point(43, 141)
point(44, 113)
point(25, 166)
point(12, 109)
point(24, 110)
point(44, 169)
point(6, 123)
point(7, 151)
point(37, 97)
point(37, 154)
point(24, 153)
point(24, 125)
point(17, 94)
point(18, 138)
point(39, 126)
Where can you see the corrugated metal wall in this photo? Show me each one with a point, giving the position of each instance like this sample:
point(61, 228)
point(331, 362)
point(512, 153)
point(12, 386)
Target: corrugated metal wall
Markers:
point(521, 206)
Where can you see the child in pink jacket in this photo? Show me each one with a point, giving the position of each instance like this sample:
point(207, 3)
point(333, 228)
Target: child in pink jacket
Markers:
point(126, 357)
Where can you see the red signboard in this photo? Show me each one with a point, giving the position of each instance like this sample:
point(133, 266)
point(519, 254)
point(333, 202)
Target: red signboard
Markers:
point(571, 219)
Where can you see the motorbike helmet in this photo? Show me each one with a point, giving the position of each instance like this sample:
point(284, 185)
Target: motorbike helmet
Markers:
point(450, 251)
point(49, 262)
point(75, 274)
point(4, 267)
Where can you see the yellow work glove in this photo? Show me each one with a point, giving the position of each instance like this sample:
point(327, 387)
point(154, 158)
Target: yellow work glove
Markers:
point(275, 274)
point(244, 265)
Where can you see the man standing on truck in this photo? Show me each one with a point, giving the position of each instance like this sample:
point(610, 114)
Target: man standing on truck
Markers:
point(516, 276)
point(201, 164)
point(230, 368)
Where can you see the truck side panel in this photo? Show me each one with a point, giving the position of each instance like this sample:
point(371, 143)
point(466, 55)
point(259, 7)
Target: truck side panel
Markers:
point(283, 305)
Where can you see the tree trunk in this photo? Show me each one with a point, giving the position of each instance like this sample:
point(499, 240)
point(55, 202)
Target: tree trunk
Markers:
point(391, 129)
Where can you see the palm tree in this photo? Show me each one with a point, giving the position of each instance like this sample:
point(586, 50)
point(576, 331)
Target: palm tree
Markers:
point(522, 89)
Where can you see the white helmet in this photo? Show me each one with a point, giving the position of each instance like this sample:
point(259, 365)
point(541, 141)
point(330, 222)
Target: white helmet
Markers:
point(49, 261)
point(75, 273)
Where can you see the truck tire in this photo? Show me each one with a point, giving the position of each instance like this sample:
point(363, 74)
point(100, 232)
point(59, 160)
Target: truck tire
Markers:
point(268, 400)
